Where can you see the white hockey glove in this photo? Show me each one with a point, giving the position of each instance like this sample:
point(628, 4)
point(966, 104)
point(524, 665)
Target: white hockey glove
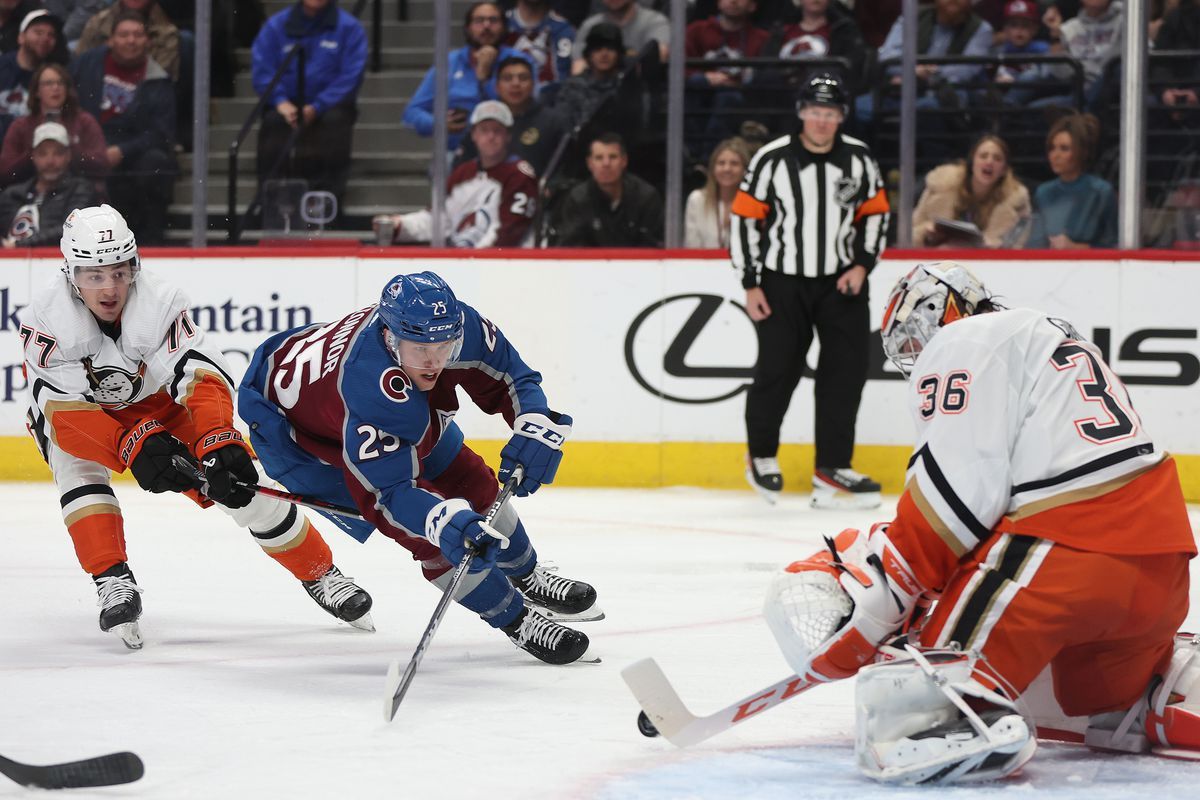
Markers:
point(831, 612)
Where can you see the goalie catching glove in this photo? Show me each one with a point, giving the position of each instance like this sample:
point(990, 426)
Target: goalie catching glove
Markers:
point(148, 450)
point(831, 612)
point(227, 465)
point(536, 444)
point(453, 526)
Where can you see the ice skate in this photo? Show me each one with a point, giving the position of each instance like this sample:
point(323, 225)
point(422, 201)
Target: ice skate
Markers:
point(342, 598)
point(120, 606)
point(843, 488)
point(546, 640)
point(764, 477)
point(558, 597)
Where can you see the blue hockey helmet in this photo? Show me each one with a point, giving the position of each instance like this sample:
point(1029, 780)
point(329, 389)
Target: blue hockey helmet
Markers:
point(421, 308)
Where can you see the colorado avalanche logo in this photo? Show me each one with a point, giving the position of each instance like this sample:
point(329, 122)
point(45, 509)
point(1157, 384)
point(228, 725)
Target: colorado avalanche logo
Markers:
point(113, 387)
point(395, 384)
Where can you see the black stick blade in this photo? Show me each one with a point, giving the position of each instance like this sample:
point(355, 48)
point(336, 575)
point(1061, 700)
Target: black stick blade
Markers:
point(109, 770)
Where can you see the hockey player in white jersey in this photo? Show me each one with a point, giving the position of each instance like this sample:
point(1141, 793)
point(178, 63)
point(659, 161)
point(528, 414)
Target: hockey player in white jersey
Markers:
point(1047, 525)
point(120, 378)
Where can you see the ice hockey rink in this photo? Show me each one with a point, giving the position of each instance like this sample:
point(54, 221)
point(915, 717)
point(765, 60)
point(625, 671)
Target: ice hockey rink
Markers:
point(245, 689)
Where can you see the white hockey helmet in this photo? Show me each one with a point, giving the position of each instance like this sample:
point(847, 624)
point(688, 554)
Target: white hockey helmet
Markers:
point(97, 236)
point(922, 302)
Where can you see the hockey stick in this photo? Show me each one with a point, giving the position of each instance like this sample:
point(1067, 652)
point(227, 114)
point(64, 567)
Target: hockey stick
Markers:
point(308, 501)
point(664, 713)
point(109, 770)
point(396, 682)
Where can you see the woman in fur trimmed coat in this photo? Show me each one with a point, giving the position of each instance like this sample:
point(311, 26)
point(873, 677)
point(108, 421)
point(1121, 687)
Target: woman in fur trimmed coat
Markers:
point(981, 190)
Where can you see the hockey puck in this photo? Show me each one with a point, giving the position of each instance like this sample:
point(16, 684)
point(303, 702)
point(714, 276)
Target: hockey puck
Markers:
point(645, 726)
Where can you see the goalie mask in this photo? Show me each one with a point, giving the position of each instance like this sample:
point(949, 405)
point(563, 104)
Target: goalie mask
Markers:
point(422, 309)
point(922, 302)
point(99, 248)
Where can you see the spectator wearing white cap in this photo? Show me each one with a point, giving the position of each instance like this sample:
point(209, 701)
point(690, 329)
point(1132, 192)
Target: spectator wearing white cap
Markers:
point(32, 212)
point(490, 200)
point(37, 39)
point(12, 13)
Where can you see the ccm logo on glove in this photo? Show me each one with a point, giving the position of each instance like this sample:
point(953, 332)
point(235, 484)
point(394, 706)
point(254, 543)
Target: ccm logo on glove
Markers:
point(533, 430)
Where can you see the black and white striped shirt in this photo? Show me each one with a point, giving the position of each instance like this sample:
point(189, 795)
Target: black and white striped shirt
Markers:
point(809, 214)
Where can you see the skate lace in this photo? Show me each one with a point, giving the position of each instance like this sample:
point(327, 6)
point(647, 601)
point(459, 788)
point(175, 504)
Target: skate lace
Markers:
point(115, 590)
point(540, 631)
point(766, 466)
point(336, 588)
point(543, 582)
point(849, 475)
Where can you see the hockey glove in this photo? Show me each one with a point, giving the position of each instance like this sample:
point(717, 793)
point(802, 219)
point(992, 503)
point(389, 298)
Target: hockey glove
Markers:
point(453, 527)
point(536, 443)
point(227, 465)
point(149, 450)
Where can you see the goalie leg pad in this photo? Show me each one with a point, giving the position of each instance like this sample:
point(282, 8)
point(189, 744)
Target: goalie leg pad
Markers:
point(1173, 719)
point(914, 724)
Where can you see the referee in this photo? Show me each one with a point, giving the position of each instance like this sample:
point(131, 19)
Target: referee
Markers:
point(811, 220)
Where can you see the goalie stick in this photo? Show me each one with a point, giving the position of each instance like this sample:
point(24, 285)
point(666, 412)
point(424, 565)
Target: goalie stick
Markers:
point(109, 770)
point(305, 500)
point(397, 683)
point(664, 713)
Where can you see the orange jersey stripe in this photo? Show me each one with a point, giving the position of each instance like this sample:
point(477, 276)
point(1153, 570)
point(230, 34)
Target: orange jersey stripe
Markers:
point(209, 402)
point(746, 206)
point(929, 552)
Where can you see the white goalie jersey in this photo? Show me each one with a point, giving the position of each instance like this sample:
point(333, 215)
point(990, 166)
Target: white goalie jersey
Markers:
point(86, 387)
point(1023, 428)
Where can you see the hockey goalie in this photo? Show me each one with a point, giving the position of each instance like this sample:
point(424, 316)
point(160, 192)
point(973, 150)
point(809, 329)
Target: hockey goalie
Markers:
point(1041, 532)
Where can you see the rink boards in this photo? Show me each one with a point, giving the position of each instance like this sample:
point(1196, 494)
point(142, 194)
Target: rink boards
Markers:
point(652, 356)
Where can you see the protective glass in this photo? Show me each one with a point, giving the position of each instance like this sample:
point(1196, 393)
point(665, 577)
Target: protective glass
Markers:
point(108, 277)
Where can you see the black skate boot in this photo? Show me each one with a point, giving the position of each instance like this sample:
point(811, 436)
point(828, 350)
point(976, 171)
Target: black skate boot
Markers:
point(558, 597)
point(843, 488)
point(764, 477)
point(545, 639)
point(120, 607)
point(342, 598)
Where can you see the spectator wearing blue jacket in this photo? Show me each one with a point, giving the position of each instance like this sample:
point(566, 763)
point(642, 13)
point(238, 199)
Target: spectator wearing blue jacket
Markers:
point(335, 50)
point(472, 74)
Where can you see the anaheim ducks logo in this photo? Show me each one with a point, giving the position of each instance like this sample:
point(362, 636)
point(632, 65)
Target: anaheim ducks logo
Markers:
point(113, 387)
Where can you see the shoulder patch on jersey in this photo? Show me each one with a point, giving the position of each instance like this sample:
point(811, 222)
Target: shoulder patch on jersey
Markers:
point(395, 385)
point(527, 168)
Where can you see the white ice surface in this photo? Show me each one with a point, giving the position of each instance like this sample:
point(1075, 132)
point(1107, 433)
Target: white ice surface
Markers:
point(246, 690)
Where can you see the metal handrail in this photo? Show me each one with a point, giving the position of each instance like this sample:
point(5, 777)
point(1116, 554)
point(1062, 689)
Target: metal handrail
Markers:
point(997, 60)
point(232, 219)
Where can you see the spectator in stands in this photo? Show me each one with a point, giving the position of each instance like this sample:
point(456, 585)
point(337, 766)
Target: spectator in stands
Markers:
point(1094, 37)
point(983, 192)
point(1179, 79)
point(715, 98)
point(706, 222)
point(1022, 18)
point(32, 212)
point(639, 27)
point(54, 99)
point(1077, 209)
point(12, 12)
point(603, 81)
point(35, 46)
point(948, 29)
point(614, 208)
point(491, 200)
point(335, 49)
point(544, 37)
point(75, 15)
point(825, 30)
point(131, 95)
point(472, 74)
point(164, 36)
point(536, 130)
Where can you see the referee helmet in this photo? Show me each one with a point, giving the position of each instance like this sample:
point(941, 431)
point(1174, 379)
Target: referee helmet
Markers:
point(823, 89)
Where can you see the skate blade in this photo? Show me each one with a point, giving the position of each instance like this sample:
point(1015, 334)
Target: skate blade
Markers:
point(588, 657)
point(131, 635)
point(593, 614)
point(766, 494)
point(844, 501)
point(363, 623)
point(1171, 752)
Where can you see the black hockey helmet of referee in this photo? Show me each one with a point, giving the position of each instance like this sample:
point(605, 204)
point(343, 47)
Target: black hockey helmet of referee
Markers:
point(822, 89)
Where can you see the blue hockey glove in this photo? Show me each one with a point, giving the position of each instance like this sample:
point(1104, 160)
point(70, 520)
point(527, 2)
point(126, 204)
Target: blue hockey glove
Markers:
point(452, 524)
point(536, 443)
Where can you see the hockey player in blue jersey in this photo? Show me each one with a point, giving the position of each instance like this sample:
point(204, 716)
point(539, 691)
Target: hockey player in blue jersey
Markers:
point(360, 412)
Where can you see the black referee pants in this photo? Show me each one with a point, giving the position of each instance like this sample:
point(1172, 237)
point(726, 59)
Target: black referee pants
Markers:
point(798, 306)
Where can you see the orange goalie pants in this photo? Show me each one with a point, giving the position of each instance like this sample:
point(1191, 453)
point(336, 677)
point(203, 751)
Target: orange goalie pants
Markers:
point(1104, 623)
